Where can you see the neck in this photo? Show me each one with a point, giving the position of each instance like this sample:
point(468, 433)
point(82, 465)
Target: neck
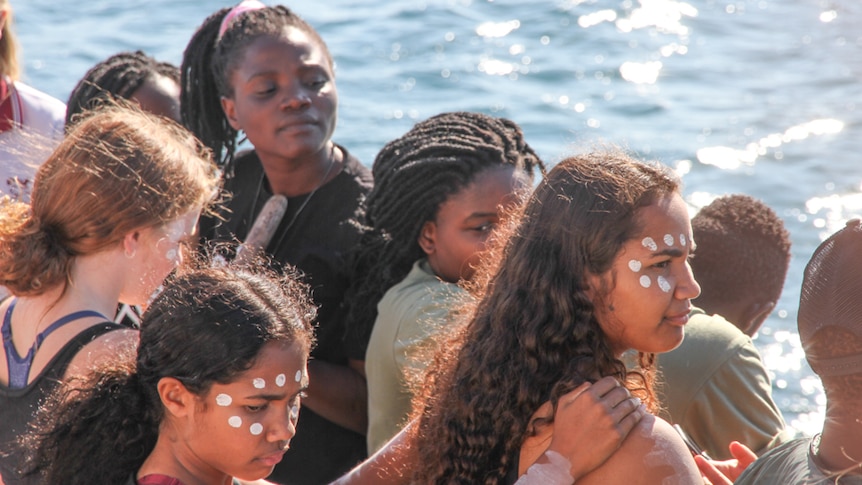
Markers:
point(840, 446)
point(170, 457)
point(301, 176)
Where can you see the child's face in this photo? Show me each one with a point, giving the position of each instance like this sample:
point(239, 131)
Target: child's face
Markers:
point(650, 282)
point(465, 220)
point(159, 95)
point(284, 96)
point(242, 429)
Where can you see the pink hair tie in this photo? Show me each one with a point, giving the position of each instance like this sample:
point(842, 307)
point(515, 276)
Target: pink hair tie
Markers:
point(239, 9)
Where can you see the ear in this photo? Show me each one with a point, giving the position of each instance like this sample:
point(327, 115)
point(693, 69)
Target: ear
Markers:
point(754, 316)
point(229, 107)
point(428, 237)
point(131, 241)
point(177, 400)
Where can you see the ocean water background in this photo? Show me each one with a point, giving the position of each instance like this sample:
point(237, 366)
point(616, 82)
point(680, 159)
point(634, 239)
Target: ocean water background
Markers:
point(762, 97)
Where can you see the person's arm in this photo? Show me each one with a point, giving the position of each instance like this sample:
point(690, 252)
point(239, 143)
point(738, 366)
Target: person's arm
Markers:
point(589, 425)
point(597, 418)
point(339, 394)
point(652, 453)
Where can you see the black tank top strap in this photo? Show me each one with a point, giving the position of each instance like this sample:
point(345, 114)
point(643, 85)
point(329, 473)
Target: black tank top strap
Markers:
point(67, 353)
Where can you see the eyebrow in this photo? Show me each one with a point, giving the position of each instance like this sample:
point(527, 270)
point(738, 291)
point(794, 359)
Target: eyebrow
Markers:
point(672, 252)
point(476, 215)
point(275, 397)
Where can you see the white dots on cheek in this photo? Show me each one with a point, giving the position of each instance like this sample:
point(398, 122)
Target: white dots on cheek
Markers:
point(256, 429)
point(298, 376)
point(258, 383)
point(223, 400)
point(682, 239)
point(171, 255)
point(663, 284)
point(668, 240)
point(645, 281)
point(635, 265)
point(649, 243)
point(294, 412)
point(235, 421)
point(279, 380)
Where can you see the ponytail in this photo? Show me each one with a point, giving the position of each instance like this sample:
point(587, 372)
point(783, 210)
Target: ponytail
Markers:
point(94, 431)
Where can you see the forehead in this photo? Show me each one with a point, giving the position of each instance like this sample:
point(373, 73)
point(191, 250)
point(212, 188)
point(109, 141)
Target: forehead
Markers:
point(667, 215)
point(292, 44)
point(273, 360)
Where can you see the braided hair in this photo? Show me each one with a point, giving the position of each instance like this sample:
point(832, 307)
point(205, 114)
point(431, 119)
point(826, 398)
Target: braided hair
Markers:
point(208, 63)
point(117, 77)
point(414, 175)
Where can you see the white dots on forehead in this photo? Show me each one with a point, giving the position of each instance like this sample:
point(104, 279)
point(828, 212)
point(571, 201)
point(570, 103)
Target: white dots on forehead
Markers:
point(645, 281)
point(279, 380)
point(256, 429)
point(668, 240)
point(635, 265)
point(223, 400)
point(663, 284)
point(298, 376)
point(649, 243)
point(235, 421)
point(682, 239)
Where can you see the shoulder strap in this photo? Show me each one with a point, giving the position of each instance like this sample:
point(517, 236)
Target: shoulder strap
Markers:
point(19, 366)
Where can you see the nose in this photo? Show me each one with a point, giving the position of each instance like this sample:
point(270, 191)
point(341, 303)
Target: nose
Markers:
point(295, 97)
point(687, 287)
point(283, 427)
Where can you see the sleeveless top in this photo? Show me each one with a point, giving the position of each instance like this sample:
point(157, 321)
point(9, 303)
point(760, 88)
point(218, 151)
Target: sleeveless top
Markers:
point(17, 406)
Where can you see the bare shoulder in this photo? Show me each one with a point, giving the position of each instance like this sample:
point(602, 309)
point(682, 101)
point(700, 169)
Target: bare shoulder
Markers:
point(651, 454)
point(111, 346)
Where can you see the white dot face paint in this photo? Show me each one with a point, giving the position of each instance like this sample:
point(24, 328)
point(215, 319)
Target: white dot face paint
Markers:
point(256, 429)
point(258, 383)
point(280, 380)
point(668, 240)
point(682, 239)
point(223, 400)
point(645, 281)
point(294, 412)
point(298, 376)
point(649, 243)
point(235, 421)
point(663, 284)
point(635, 265)
point(171, 254)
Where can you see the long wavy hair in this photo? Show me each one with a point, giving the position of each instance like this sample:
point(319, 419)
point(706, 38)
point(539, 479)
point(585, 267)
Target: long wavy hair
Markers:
point(533, 334)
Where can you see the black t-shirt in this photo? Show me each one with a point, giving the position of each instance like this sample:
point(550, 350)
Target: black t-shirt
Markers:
point(315, 241)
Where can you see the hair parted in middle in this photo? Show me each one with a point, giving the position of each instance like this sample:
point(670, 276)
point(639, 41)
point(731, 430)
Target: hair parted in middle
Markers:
point(209, 61)
point(413, 175)
point(533, 335)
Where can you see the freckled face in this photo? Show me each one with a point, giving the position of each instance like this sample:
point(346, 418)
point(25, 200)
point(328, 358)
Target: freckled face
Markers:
point(464, 221)
point(284, 96)
point(243, 428)
point(650, 281)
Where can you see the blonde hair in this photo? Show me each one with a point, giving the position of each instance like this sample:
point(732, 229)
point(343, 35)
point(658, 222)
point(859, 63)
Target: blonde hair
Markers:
point(118, 170)
point(8, 46)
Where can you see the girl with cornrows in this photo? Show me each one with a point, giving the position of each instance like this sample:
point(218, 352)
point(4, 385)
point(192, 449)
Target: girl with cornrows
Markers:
point(266, 72)
point(110, 211)
point(596, 265)
point(134, 76)
point(226, 410)
point(440, 190)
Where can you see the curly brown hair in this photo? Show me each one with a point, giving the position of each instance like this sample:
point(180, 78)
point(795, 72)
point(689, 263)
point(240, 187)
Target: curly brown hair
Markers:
point(533, 335)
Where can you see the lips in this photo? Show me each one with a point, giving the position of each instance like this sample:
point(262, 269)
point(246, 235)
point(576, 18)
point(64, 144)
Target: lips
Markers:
point(300, 123)
point(678, 318)
point(272, 459)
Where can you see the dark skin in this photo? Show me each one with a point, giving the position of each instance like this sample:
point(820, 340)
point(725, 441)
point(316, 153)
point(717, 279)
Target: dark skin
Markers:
point(285, 101)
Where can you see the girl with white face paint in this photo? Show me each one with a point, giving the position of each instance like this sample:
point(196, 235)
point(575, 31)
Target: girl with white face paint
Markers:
point(226, 410)
point(109, 211)
point(596, 265)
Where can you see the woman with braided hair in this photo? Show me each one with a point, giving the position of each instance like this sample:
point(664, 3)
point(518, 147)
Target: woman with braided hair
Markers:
point(596, 265)
point(440, 190)
point(135, 76)
point(266, 72)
